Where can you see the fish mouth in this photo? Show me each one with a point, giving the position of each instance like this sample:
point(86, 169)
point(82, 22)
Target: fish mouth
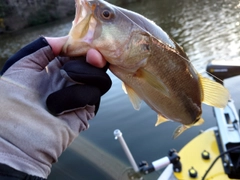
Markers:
point(82, 31)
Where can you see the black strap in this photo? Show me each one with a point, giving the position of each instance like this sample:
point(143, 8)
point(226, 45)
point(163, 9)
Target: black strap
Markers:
point(8, 173)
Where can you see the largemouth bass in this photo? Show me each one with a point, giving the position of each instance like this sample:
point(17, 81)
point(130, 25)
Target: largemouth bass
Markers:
point(152, 66)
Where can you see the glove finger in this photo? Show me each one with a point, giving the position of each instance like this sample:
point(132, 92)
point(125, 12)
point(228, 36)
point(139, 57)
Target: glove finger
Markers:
point(81, 71)
point(25, 51)
point(72, 98)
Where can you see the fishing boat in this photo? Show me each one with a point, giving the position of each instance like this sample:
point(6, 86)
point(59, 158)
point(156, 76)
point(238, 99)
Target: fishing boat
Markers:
point(214, 154)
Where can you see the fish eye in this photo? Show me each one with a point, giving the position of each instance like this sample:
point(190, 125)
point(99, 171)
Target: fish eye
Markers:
point(107, 14)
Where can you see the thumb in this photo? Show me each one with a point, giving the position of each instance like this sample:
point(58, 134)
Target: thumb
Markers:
point(56, 43)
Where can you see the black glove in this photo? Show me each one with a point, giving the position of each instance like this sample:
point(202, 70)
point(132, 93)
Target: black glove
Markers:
point(92, 83)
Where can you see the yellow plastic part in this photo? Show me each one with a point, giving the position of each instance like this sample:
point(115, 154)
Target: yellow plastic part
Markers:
point(191, 157)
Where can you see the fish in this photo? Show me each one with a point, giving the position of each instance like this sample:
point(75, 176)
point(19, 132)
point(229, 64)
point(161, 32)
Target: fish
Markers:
point(151, 65)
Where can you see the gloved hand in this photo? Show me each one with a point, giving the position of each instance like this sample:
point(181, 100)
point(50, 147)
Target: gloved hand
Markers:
point(33, 83)
point(87, 78)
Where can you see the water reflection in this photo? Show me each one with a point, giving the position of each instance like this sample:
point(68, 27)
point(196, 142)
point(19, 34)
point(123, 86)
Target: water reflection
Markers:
point(206, 29)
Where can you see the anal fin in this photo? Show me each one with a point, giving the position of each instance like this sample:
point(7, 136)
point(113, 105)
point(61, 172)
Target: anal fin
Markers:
point(161, 120)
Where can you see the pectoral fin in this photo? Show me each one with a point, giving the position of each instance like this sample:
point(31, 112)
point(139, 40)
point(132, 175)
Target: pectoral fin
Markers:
point(179, 130)
point(214, 94)
point(161, 120)
point(124, 88)
point(134, 98)
point(153, 81)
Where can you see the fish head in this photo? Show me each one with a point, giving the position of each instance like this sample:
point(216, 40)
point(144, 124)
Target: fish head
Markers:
point(112, 31)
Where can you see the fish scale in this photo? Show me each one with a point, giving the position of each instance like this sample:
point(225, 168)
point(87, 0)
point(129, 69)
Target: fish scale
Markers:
point(171, 63)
